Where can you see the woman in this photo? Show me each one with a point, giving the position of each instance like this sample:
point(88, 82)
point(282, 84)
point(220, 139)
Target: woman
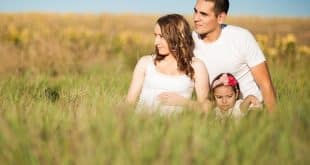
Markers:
point(172, 71)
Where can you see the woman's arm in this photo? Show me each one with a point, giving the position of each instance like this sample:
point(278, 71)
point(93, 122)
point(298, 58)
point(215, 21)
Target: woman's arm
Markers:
point(201, 84)
point(137, 80)
point(201, 78)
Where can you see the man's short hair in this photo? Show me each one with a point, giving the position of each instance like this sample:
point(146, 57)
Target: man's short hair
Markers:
point(220, 6)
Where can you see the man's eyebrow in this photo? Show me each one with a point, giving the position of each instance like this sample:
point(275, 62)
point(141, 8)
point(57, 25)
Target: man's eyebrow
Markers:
point(201, 12)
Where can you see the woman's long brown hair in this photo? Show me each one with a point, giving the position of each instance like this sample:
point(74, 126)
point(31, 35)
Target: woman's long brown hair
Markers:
point(176, 30)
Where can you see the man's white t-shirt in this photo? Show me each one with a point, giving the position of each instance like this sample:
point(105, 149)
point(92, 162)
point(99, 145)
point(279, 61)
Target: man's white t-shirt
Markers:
point(235, 52)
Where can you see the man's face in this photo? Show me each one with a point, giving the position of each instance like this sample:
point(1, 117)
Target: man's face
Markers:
point(205, 19)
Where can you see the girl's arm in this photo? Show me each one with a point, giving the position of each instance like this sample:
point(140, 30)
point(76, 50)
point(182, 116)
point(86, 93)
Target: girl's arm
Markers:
point(247, 101)
point(137, 80)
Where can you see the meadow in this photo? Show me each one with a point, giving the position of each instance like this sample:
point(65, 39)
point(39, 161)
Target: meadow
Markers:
point(63, 78)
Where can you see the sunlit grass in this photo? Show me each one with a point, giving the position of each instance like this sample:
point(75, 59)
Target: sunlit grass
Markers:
point(87, 122)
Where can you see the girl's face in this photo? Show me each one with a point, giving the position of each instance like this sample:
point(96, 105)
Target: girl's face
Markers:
point(160, 42)
point(225, 97)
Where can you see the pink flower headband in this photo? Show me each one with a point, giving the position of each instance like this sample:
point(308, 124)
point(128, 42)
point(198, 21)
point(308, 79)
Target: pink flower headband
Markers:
point(225, 80)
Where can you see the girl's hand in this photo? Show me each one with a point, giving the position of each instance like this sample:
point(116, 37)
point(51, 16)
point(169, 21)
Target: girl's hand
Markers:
point(249, 102)
point(253, 101)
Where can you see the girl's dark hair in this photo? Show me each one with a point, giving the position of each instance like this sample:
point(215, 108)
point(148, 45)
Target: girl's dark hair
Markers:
point(229, 81)
point(177, 32)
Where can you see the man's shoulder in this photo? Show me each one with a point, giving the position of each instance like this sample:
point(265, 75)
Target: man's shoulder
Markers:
point(234, 30)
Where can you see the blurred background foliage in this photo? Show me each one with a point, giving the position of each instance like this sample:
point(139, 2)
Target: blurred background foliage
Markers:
point(58, 43)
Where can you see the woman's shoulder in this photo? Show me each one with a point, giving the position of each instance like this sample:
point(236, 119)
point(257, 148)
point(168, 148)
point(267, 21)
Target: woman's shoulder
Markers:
point(143, 62)
point(197, 63)
point(146, 58)
point(200, 69)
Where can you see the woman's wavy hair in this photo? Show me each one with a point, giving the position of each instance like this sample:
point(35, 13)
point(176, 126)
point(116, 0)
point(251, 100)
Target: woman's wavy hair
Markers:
point(177, 32)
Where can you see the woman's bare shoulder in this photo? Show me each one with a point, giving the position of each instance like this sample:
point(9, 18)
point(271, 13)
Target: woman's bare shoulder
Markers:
point(146, 58)
point(197, 63)
point(144, 61)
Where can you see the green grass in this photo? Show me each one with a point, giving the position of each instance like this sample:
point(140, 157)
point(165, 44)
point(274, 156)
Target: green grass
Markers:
point(80, 118)
point(63, 79)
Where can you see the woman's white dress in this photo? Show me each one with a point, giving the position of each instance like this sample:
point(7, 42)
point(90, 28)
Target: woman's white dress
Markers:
point(156, 82)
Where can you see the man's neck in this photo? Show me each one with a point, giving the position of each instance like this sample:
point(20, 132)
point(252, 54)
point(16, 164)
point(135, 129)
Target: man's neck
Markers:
point(212, 36)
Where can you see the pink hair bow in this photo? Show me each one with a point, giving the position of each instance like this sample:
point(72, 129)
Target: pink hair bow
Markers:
point(225, 80)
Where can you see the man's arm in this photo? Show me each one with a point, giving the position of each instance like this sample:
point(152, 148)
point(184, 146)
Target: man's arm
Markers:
point(262, 77)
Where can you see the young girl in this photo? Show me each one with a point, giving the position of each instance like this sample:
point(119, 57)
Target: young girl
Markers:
point(172, 72)
point(225, 93)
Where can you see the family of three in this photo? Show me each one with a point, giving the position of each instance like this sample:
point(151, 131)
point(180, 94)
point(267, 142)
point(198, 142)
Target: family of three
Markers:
point(222, 63)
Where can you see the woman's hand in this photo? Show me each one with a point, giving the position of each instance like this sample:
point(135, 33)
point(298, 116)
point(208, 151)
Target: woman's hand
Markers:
point(172, 98)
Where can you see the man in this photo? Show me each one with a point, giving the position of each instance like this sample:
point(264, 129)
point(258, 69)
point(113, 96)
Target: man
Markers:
point(227, 48)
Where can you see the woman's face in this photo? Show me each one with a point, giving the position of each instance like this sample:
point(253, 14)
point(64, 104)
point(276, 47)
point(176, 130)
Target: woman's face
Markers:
point(225, 97)
point(160, 42)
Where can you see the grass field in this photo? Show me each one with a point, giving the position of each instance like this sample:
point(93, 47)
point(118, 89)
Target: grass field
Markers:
point(63, 79)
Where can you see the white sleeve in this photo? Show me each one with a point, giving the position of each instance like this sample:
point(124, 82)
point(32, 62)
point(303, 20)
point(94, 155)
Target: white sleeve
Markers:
point(251, 50)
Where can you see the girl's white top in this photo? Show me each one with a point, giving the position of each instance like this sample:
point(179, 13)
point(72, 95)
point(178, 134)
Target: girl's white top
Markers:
point(233, 112)
point(156, 82)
